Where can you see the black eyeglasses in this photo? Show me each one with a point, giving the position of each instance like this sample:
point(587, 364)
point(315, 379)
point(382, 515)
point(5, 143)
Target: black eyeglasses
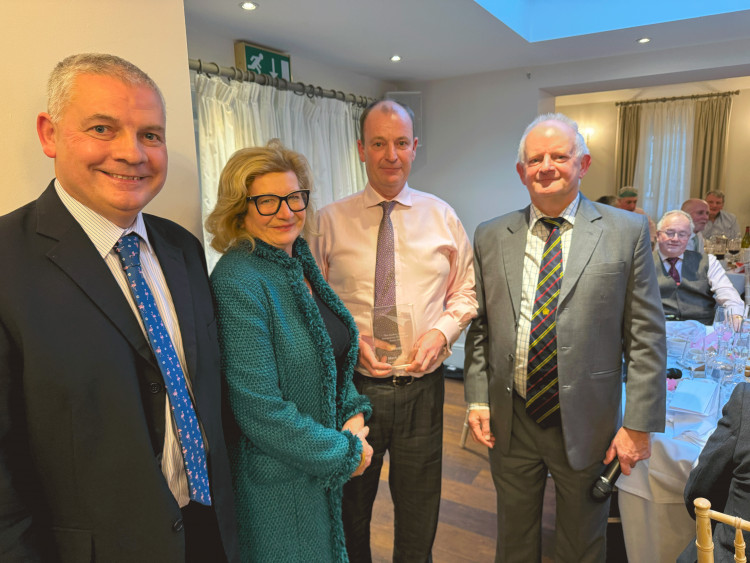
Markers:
point(269, 204)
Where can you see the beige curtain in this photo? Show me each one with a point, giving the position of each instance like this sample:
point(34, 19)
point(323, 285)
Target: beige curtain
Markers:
point(709, 144)
point(628, 131)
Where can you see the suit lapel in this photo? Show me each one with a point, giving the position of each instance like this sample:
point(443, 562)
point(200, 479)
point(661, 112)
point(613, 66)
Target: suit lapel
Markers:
point(586, 235)
point(172, 262)
point(512, 247)
point(76, 256)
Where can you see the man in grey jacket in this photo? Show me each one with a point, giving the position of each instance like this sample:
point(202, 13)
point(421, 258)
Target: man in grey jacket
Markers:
point(545, 353)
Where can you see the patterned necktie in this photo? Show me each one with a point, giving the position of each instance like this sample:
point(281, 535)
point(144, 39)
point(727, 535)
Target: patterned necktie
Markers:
point(385, 287)
point(542, 391)
point(183, 413)
point(673, 269)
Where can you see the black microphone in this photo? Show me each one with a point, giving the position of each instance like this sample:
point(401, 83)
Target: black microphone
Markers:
point(602, 488)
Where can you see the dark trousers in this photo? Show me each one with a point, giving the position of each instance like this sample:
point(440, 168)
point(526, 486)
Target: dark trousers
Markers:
point(408, 423)
point(202, 537)
point(520, 477)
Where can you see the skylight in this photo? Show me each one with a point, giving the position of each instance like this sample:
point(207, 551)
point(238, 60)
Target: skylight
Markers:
point(541, 20)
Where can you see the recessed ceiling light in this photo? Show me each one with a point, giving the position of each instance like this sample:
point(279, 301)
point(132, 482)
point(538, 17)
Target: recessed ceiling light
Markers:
point(395, 58)
point(643, 40)
point(249, 5)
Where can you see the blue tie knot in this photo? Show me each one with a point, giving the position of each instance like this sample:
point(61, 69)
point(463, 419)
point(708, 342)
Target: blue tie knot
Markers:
point(128, 249)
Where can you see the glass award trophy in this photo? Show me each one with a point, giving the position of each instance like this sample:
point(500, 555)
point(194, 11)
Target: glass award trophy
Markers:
point(393, 335)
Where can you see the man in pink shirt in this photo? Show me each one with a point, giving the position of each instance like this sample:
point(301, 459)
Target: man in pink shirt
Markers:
point(431, 276)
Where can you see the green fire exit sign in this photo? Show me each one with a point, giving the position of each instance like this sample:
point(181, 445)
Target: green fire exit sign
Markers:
point(262, 61)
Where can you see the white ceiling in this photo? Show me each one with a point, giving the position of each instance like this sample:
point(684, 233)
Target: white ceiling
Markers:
point(435, 38)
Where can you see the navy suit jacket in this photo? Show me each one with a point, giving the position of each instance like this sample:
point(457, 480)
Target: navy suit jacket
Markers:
point(82, 399)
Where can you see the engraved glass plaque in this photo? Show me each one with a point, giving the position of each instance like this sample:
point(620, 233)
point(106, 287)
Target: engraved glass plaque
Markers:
point(393, 335)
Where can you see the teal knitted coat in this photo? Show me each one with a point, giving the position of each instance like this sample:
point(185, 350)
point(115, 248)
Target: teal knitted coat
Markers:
point(289, 457)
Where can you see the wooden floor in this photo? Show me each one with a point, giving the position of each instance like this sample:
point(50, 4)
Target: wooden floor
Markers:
point(467, 529)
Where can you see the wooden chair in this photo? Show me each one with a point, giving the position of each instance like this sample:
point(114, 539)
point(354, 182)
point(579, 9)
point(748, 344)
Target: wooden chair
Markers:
point(704, 537)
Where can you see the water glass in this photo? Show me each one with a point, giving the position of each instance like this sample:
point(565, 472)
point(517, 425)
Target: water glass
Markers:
point(693, 355)
point(723, 326)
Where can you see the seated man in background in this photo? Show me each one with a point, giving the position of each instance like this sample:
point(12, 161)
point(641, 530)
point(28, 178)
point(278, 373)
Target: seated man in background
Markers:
point(691, 284)
point(720, 222)
point(627, 198)
point(698, 211)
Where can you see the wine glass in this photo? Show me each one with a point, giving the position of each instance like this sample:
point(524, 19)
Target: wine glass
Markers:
point(694, 356)
point(734, 245)
point(723, 322)
point(720, 247)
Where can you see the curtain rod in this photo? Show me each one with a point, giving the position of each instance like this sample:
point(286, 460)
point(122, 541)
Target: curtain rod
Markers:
point(693, 97)
point(300, 88)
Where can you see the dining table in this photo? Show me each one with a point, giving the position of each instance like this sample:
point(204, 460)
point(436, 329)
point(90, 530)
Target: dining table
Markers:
point(655, 522)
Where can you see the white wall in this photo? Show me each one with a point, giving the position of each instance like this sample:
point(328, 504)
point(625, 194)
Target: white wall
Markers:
point(601, 118)
point(473, 124)
point(36, 34)
point(736, 183)
point(216, 45)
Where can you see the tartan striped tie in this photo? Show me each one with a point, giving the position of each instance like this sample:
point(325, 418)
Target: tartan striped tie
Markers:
point(542, 391)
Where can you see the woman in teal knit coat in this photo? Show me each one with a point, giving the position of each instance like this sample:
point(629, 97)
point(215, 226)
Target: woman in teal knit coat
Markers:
point(289, 345)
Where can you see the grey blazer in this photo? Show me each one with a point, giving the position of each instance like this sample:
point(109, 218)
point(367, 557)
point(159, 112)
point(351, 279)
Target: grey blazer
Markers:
point(609, 307)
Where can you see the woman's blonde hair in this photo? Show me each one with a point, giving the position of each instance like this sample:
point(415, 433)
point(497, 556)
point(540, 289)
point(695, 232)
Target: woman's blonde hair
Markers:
point(226, 221)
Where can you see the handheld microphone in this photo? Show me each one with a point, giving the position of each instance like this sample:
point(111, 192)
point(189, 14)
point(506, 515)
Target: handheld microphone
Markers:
point(602, 488)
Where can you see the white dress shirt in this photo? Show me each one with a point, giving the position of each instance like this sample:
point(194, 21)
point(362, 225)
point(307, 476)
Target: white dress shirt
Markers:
point(104, 234)
point(696, 243)
point(723, 291)
point(433, 259)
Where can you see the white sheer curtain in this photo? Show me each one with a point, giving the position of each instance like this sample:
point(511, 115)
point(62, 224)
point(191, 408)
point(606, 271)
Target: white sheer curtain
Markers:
point(665, 148)
point(235, 115)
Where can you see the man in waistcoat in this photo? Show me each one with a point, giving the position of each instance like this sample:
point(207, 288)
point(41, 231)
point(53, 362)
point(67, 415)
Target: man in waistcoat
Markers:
point(691, 283)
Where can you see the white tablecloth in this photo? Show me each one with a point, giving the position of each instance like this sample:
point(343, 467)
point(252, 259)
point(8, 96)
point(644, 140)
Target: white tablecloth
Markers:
point(655, 523)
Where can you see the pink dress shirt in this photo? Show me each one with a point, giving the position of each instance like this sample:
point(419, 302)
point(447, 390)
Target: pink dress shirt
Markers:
point(434, 260)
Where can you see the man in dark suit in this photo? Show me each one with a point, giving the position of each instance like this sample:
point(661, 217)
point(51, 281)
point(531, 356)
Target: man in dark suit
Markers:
point(543, 373)
point(722, 475)
point(91, 458)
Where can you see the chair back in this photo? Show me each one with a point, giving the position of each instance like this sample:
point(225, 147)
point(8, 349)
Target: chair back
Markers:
point(704, 538)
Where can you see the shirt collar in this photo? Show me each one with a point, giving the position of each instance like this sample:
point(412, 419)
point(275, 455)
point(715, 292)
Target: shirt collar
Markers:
point(664, 258)
point(102, 232)
point(569, 213)
point(373, 198)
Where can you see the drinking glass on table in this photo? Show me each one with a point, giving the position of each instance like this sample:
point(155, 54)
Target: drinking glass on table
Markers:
point(736, 355)
point(741, 348)
point(693, 356)
point(719, 247)
point(734, 245)
point(723, 326)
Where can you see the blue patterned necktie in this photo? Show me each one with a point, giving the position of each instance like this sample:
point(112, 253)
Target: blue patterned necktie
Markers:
point(183, 413)
point(384, 321)
point(542, 391)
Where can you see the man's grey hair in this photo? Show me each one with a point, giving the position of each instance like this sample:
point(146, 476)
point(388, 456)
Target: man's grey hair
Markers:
point(715, 193)
point(675, 212)
point(580, 147)
point(63, 76)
